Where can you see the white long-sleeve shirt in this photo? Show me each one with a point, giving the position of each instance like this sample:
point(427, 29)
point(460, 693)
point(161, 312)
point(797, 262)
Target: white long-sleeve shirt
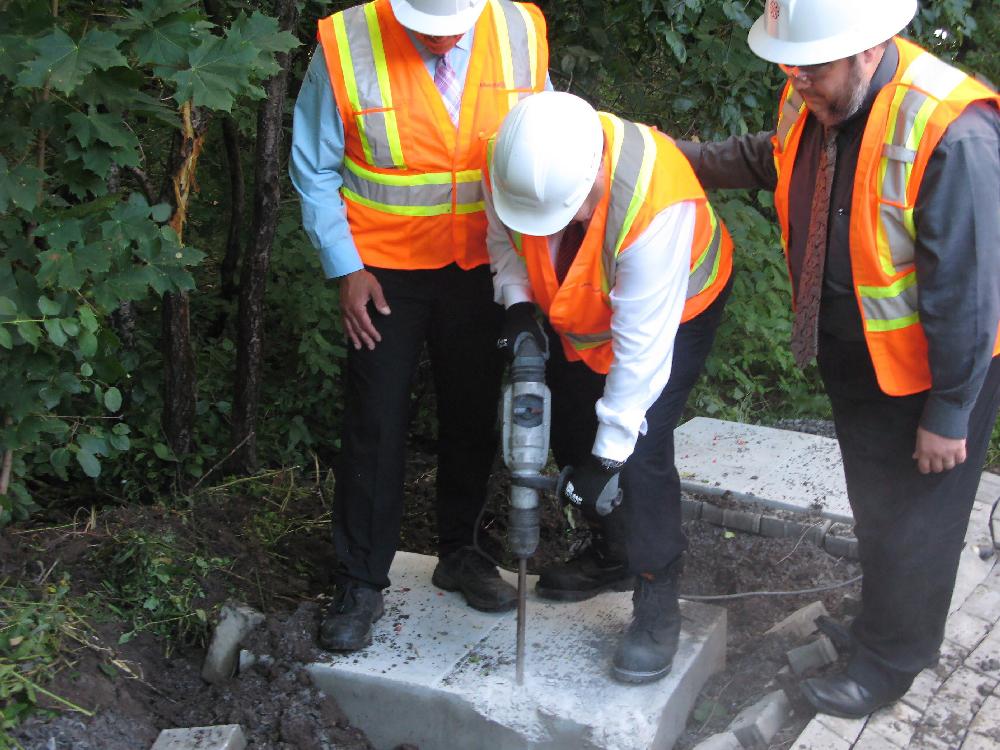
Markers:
point(647, 300)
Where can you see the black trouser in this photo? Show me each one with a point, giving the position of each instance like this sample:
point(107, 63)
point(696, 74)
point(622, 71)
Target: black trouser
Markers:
point(651, 485)
point(453, 311)
point(910, 526)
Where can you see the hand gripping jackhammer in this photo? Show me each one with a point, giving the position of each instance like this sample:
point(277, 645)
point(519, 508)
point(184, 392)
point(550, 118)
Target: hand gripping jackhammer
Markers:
point(526, 422)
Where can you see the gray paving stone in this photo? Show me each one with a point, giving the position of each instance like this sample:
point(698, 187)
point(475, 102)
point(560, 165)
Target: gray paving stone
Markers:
point(721, 741)
point(222, 737)
point(441, 676)
point(986, 656)
point(989, 488)
point(777, 468)
point(959, 698)
point(756, 725)
point(976, 741)
point(847, 729)
point(894, 724)
point(927, 683)
point(966, 630)
point(987, 719)
point(984, 601)
point(818, 737)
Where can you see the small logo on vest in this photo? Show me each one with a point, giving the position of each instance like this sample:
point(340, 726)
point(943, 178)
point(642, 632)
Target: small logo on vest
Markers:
point(774, 9)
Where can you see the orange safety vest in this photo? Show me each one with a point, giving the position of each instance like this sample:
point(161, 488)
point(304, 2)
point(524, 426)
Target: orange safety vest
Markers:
point(907, 120)
point(412, 180)
point(644, 173)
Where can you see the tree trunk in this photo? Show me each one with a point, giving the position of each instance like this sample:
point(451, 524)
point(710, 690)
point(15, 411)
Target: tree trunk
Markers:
point(257, 259)
point(179, 377)
point(237, 207)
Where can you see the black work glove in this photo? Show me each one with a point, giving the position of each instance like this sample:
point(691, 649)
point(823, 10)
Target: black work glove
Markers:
point(593, 487)
point(519, 320)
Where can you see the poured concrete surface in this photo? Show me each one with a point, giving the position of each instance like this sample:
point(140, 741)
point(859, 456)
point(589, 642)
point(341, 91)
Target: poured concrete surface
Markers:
point(777, 468)
point(440, 675)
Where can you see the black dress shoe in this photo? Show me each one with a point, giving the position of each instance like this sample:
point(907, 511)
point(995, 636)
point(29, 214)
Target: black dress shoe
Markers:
point(467, 571)
point(347, 623)
point(840, 695)
point(581, 577)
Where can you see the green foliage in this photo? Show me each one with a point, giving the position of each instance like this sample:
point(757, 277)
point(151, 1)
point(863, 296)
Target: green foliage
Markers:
point(90, 101)
point(35, 626)
point(154, 582)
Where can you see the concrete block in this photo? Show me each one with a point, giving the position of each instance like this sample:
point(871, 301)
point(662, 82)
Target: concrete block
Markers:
point(801, 623)
point(441, 676)
point(776, 468)
point(965, 630)
point(817, 737)
point(222, 737)
point(756, 725)
point(819, 653)
point(721, 741)
point(235, 623)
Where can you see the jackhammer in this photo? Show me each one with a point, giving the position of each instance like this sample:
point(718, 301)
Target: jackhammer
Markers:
point(526, 422)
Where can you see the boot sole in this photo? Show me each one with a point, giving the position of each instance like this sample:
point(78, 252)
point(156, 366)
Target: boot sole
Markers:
point(639, 678)
point(570, 595)
point(446, 584)
point(345, 644)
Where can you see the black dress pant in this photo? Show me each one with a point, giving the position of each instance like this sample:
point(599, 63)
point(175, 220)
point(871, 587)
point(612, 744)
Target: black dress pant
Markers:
point(651, 504)
point(910, 526)
point(453, 312)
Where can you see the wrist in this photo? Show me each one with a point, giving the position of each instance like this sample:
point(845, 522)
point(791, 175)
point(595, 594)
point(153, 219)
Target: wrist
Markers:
point(608, 465)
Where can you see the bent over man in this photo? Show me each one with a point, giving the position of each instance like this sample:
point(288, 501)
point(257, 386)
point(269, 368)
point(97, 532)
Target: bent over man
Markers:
point(600, 224)
point(389, 135)
point(886, 169)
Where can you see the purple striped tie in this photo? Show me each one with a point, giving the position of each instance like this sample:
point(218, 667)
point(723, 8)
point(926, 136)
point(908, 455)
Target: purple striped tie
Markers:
point(447, 84)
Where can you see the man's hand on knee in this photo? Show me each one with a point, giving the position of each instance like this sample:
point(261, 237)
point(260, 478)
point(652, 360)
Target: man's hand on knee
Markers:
point(935, 453)
point(356, 289)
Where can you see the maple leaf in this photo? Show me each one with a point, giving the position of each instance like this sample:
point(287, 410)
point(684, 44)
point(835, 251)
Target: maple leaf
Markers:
point(64, 63)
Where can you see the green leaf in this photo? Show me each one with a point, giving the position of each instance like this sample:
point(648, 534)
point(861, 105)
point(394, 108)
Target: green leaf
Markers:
point(86, 370)
point(89, 463)
point(218, 71)
point(6, 341)
point(262, 32)
point(162, 452)
point(7, 306)
point(113, 399)
point(88, 344)
point(87, 319)
point(30, 332)
point(56, 334)
point(19, 186)
point(48, 306)
point(63, 63)
point(121, 442)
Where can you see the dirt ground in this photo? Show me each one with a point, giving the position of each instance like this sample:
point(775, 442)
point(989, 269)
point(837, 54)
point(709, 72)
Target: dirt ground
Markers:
point(136, 689)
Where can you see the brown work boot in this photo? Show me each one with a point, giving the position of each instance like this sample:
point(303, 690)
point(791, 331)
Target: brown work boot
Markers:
point(477, 578)
point(646, 652)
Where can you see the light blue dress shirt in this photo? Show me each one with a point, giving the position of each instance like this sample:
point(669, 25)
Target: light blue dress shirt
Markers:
point(318, 156)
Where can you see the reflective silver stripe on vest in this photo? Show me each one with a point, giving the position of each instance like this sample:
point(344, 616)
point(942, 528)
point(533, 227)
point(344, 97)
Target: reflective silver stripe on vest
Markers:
point(704, 274)
point(886, 309)
point(623, 184)
point(932, 80)
point(791, 110)
point(519, 46)
point(369, 94)
point(397, 195)
point(588, 340)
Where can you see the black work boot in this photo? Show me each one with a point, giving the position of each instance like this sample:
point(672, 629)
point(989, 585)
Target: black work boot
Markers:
point(347, 623)
point(477, 578)
point(600, 567)
point(646, 651)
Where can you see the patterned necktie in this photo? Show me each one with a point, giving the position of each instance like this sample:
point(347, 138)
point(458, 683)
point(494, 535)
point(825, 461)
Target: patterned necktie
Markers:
point(569, 246)
point(806, 323)
point(447, 84)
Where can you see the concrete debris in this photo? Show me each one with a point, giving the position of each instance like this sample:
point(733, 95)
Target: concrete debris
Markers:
point(755, 726)
point(800, 624)
point(819, 653)
point(235, 623)
point(249, 659)
point(222, 737)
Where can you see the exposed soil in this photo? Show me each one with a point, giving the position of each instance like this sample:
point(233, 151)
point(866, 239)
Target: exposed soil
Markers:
point(136, 689)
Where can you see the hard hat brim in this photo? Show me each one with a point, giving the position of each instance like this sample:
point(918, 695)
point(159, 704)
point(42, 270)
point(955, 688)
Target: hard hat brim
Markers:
point(532, 219)
point(819, 51)
point(425, 23)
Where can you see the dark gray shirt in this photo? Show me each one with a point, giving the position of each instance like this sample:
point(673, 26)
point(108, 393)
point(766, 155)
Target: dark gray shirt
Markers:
point(957, 253)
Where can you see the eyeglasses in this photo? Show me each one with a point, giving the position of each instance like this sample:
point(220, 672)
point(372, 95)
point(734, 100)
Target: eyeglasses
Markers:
point(807, 74)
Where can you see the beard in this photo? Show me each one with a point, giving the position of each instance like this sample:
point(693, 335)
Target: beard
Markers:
point(851, 99)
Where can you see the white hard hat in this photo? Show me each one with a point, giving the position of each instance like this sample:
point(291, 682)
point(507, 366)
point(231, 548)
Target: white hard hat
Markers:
point(810, 32)
point(438, 17)
point(546, 158)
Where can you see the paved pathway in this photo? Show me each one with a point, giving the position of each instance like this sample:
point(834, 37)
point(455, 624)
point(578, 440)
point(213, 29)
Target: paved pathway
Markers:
point(955, 706)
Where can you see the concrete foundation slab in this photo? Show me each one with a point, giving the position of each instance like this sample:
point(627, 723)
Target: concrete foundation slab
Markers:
point(776, 468)
point(441, 676)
